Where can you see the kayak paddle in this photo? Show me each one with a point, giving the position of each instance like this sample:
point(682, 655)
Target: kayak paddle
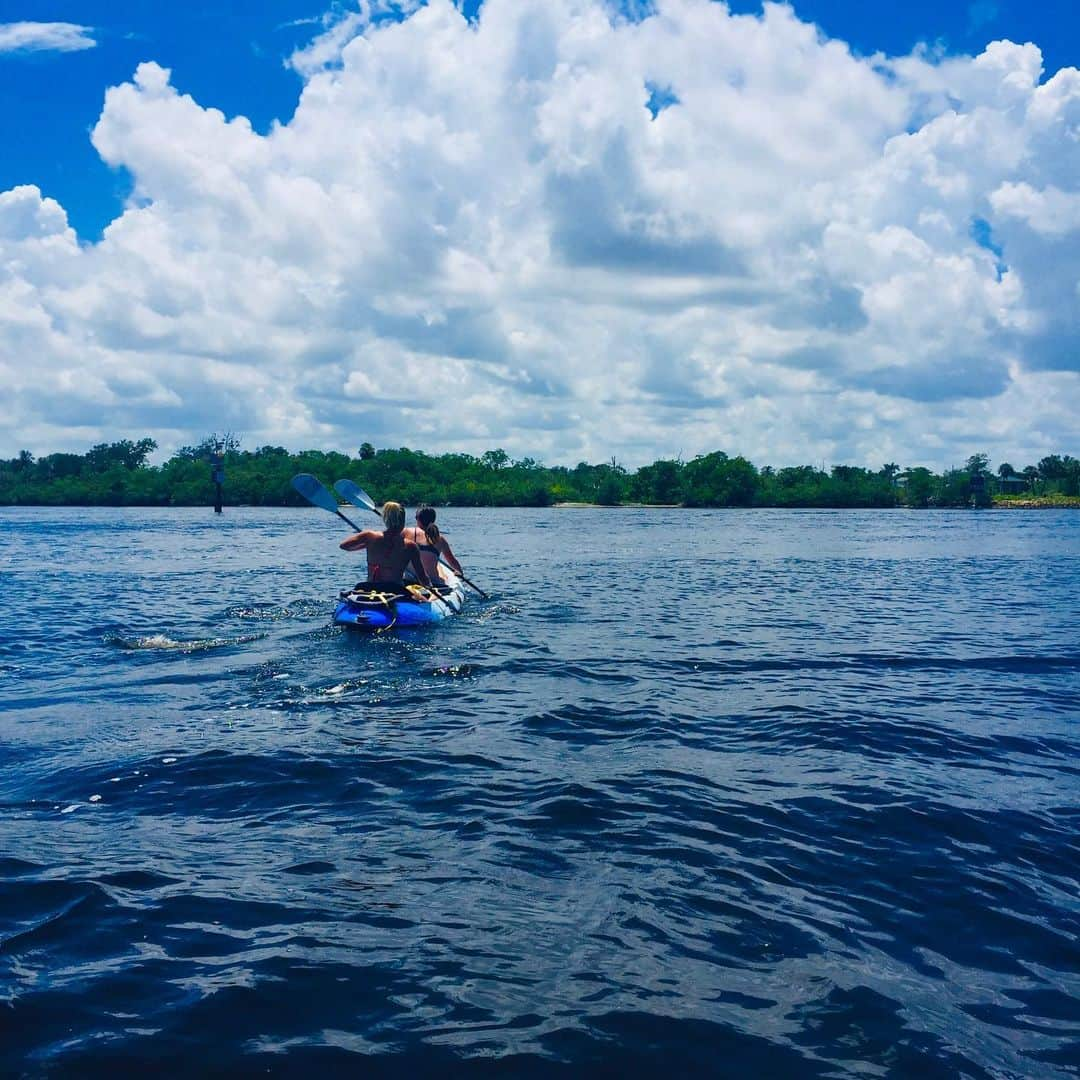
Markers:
point(317, 495)
point(356, 495)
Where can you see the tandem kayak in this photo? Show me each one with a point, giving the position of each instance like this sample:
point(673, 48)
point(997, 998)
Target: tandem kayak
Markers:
point(369, 608)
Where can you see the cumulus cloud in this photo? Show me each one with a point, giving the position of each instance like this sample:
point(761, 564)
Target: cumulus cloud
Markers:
point(45, 37)
point(501, 233)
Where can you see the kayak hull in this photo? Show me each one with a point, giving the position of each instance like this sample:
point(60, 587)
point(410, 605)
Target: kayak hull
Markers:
point(359, 612)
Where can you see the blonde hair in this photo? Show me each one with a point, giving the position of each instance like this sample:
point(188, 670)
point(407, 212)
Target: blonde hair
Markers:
point(393, 515)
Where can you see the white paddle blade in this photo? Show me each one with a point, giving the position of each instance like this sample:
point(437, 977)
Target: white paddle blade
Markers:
point(314, 492)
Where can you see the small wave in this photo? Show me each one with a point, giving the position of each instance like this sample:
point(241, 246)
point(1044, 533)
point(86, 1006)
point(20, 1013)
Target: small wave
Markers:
point(848, 662)
point(327, 694)
point(304, 608)
point(162, 642)
point(493, 611)
point(456, 671)
point(315, 866)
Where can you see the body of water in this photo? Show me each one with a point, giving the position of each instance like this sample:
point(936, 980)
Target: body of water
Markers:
point(746, 793)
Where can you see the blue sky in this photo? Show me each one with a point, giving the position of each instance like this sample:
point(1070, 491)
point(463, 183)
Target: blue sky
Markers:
point(230, 54)
point(842, 232)
point(227, 54)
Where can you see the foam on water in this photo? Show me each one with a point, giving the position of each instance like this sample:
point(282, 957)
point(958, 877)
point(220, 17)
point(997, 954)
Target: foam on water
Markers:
point(163, 641)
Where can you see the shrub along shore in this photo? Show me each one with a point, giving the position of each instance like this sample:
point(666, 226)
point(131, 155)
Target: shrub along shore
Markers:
point(118, 474)
point(1037, 502)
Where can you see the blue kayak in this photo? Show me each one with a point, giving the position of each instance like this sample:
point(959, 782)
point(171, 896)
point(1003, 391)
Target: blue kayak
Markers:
point(369, 608)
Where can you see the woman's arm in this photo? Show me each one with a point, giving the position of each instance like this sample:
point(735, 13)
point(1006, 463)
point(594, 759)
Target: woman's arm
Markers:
point(448, 555)
point(417, 564)
point(357, 541)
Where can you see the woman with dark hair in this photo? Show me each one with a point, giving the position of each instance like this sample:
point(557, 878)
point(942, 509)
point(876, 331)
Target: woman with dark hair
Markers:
point(431, 542)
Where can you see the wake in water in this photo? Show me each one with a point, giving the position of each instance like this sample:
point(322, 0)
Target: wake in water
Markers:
point(162, 642)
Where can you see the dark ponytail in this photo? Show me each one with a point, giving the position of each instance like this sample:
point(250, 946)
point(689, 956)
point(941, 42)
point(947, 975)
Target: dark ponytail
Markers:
point(426, 516)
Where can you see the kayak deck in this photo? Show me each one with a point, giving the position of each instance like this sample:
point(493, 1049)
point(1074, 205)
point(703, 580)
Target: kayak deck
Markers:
point(368, 607)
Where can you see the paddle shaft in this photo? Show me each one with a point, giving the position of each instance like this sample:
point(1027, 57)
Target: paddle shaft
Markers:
point(352, 524)
point(463, 578)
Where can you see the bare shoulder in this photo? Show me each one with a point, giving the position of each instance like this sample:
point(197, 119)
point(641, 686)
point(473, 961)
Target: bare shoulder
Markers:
point(359, 539)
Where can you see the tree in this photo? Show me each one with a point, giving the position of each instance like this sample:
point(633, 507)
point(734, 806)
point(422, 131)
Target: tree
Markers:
point(1051, 467)
point(495, 459)
point(1070, 476)
point(56, 466)
point(367, 451)
point(977, 465)
point(213, 443)
point(660, 482)
point(609, 492)
point(125, 453)
point(137, 454)
point(954, 488)
point(717, 480)
point(918, 486)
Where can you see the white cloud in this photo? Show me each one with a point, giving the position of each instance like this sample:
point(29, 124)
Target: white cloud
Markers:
point(1051, 212)
point(473, 235)
point(45, 37)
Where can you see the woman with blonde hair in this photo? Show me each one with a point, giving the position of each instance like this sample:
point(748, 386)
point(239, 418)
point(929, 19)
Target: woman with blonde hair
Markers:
point(389, 553)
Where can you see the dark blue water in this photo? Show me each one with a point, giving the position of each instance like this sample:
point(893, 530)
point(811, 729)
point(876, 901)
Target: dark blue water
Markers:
point(756, 793)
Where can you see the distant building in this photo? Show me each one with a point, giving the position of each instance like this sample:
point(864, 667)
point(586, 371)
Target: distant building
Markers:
point(1012, 485)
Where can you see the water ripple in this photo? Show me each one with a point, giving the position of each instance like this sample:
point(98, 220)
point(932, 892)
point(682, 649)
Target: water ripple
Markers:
point(819, 819)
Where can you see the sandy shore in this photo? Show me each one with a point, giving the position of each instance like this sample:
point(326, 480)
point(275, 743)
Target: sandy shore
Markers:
point(618, 506)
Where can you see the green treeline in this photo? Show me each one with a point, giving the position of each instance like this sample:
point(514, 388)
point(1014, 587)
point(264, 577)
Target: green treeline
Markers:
point(117, 474)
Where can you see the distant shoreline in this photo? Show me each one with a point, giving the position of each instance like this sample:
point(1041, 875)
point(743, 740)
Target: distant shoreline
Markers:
point(1059, 502)
point(1038, 503)
point(616, 506)
point(217, 472)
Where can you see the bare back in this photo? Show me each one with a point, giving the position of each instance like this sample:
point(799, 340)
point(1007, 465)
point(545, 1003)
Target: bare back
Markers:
point(429, 554)
point(388, 553)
